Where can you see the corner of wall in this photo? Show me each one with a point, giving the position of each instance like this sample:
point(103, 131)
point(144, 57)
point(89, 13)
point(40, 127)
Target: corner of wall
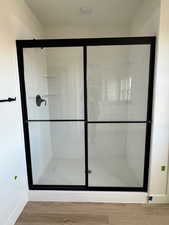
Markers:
point(11, 220)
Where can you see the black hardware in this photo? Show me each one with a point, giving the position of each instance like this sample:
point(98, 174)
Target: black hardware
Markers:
point(71, 120)
point(46, 43)
point(8, 100)
point(85, 114)
point(39, 100)
point(150, 198)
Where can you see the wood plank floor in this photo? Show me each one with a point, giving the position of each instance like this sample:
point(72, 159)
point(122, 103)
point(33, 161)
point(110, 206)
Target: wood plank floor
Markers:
point(50, 213)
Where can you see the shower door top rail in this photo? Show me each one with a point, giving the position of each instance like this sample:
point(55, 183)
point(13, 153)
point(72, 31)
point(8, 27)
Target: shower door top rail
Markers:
point(44, 43)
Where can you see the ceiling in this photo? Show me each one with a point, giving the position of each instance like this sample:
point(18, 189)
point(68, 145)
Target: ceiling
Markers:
point(99, 12)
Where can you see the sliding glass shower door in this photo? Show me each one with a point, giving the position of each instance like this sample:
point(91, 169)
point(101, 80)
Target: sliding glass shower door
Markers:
point(55, 105)
point(118, 79)
point(87, 109)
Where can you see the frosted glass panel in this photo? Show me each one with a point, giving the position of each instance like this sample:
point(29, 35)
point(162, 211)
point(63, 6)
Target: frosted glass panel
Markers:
point(57, 153)
point(116, 154)
point(56, 75)
point(118, 82)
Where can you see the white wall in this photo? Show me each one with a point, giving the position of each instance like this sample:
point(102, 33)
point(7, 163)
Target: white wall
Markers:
point(146, 20)
point(160, 138)
point(16, 22)
point(86, 31)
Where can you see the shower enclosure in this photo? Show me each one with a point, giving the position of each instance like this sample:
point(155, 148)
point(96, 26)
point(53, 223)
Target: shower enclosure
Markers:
point(87, 112)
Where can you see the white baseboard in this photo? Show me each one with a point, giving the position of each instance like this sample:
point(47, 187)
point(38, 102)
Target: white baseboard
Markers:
point(88, 196)
point(159, 199)
point(16, 212)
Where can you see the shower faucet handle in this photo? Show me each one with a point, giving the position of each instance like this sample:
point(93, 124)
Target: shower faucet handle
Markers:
point(39, 100)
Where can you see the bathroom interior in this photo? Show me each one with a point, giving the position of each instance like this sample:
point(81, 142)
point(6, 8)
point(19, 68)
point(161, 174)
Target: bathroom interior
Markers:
point(84, 113)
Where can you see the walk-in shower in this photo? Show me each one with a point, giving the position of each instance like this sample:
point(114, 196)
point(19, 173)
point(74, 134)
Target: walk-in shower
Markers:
point(87, 112)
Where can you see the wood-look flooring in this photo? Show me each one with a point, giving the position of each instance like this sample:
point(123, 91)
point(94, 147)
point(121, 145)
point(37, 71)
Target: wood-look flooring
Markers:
point(50, 213)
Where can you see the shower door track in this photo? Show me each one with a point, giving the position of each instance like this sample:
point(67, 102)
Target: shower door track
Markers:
point(42, 43)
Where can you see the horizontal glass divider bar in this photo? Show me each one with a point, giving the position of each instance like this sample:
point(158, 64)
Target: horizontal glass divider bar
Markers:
point(119, 121)
point(104, 188)
point(55, 121)
point(84, 188)
point(59, 185)
point(88, 121)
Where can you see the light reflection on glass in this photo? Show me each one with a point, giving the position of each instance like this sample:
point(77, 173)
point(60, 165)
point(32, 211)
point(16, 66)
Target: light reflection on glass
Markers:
point(126, 89)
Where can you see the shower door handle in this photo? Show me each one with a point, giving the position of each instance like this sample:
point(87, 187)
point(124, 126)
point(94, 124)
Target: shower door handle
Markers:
point(8, 100)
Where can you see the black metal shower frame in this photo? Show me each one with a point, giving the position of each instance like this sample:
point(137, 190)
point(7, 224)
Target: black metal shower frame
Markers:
point(84, 43)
